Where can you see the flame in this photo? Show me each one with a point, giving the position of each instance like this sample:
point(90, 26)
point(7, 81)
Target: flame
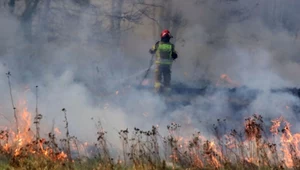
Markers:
point(23, 141)
point(275, 125)
point(6, 147)
point(226, 79)
point(254, 150)
point(289, 142)
point(57, 131)
point(62, 156)
point(200, 149)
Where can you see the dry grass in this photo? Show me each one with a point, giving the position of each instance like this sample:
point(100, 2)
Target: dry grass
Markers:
point(254, 145)
point(250, 148)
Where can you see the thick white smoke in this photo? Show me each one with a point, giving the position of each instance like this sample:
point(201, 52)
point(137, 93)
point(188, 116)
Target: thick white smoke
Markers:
point(78, 77)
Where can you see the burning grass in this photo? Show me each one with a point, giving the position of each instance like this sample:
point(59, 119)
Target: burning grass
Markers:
point(252, 147)
point(255, 145)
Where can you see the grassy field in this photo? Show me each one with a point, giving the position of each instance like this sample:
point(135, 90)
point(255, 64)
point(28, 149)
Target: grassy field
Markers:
point(254, 146)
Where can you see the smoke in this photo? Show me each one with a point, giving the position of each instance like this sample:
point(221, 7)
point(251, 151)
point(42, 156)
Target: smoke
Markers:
point(238, 45)
point(84, 77)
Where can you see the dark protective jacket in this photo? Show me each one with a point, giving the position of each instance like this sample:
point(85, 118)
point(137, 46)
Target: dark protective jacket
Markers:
point(164, 51)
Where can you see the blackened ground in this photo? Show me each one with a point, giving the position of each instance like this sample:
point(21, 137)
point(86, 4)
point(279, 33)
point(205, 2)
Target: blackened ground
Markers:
point(238, 97)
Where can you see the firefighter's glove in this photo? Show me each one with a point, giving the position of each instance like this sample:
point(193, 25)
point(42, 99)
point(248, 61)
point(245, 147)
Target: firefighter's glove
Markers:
point(151, 51)
point(174, 56)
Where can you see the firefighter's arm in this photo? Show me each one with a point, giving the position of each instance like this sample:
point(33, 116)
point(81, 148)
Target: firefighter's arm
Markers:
point(174, 53)
point(154, 48)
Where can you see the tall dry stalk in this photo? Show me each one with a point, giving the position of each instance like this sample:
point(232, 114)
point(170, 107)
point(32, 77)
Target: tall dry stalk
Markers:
point(12, 102)
point(37, 117)
point(102, 146)
point(67, 140)
point(123, 134)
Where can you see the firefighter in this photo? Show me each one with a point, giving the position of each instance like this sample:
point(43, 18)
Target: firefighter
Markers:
point(165, 54)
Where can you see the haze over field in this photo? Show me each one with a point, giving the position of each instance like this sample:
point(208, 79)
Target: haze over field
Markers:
point(79, 51)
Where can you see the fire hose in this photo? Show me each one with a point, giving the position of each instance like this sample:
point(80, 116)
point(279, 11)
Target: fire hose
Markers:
point(147, 71)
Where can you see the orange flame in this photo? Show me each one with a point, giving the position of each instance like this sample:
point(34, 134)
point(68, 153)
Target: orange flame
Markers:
point(24, 141)
point(57, 131)
point(289, 142)
point(226, 79)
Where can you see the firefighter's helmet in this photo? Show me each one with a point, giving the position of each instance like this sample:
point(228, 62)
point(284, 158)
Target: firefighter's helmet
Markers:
point(165, 33)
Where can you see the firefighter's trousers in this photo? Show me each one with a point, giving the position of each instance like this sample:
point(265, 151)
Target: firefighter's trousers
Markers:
point(162, 77)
